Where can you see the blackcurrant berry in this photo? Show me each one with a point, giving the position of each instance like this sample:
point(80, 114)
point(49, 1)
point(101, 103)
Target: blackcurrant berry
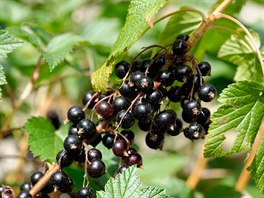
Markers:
point(96, 168)
point(23, 194)
point(175, 94)
point(119, 147)
point(205, 68)
point(80, 156)
point(175, 128)
point(35, 177)
point(61, 181)
point(96, 141)
point(134, 158)
point(108, 140)
point(183, 73)
point(85, 192)
point(207, 92)
point(128, 90)
point(120, 103)
point(166, 78)
point(145, 125)
point(184, 37)
point(193, 83)
point(123, 168)
point(104, 109)
point(204, 116)
point(72, 144)
point(145, 64)
point(94, 153)
point(145, 84)
point(127, 119)
point(187, 118)
point(64, 159)
point(142, 110)
point(194, 131)
point(87, 129)
point(129, 135)
point(164, 119)
point(136, 76)
point(179, 47)
point(192, 108)
point(121, 69)
point(154, 140)
point(89, 97)
point(155, 98)
point(73, 130)
point(25, 186)
point(75, 114)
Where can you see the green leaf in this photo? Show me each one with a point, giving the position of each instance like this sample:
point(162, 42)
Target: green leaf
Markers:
point(140, 17)
point(2, 80)
point(128, 185)
point(43, 140)
point(257, 167)
point(59, 47)
point(242, 111)
point(7, 43)
point(222, 191)
point(239, 51)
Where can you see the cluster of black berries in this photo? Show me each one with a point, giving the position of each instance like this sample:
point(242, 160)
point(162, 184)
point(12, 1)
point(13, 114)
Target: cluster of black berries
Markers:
point(147, 88)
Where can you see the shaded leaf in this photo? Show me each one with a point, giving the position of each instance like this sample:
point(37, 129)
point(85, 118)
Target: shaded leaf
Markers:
point(7, 43)
point(238, 51)
point(257, 167)
point(43, 140)
point(153, 192)
point(140, 16)
point(2, 79)
point(242, 111)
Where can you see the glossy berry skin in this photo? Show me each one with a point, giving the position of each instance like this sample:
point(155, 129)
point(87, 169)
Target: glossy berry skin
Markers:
point(179, 47)
point(207, 92)
point(35, 177)
point(75, 114)
point(175, 128)
point(61, 181)
point(145, 84)
point(87, 129)
point(73, 130)
point(154, 140)
point(175, 94)
point(142, 110)
point(104, 109)
point(194, 131)
point(145, 125)
point(120, 103)
point(183, 73)
point(134, 158)
point(127, 118)
point(187, 118)
point(96, 141)
point(94, 153)
point(80, 156)
point(119, 147)
point(204, 116)
point(123, 168)
point(23, 194)
point(121, 69)
point(164, 119)
point(87, 97)
point(128, 90)
point(205, 68)
point(129, 135)
point(155, 98)
point(72, 144)
point(64, 159)
point(194, 82)
point(184, 37)
point(85, 192)
point(192, 108)
point(136, 76)
point(108, 140)
point(166, 78)
point(26, 186)
point(96, 168)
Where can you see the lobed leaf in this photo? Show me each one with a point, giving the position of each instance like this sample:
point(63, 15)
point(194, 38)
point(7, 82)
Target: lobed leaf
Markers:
point(238, 50)
point(7, 43)
point(128, 185)
point(257, 167)
point(140, 17)
point(242, 111)
point(43, 140)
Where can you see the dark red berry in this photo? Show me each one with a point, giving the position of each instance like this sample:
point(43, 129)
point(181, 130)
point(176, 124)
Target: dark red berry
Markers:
point(134, 158)
point(94, 153)
point(85, 192)
point(104, 109)
point(96, 168)
point(119, 147)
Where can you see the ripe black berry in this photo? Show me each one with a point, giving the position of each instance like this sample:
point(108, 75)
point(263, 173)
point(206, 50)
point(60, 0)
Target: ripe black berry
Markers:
point(145, 125)
point(85, 192)
point(145, 84)
point(175, 94)
point(205, 68)
point(87, 129)
point(94, 153)
point(204, 116)
point(134, 158)
point(108, 140)
point(184, 37)
point(75, 114)
point(154, 140)
point(61, 181)
point(73, 130)
point(72, 144)
point(166, 78)
point(35, 177)
point(183, 73)
point(142, 110)
point(121, 69)
point(207, 92)
point(155, 98)
point(87, 97)
point(119, 147)
point(104, 109)
point(96, 141)
point(194, 131)
point(127, 119)
point(129, 135)
point(23, 194)
point(179, 47)
point(123, 168)
point(128, 90)
point(25, 186)
point(175, 128)
point(136, 76)
point(64, 159)
point(192, 108)
point(80, 156)
point(164, 119)
point(120, 103)
point(96, 168)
